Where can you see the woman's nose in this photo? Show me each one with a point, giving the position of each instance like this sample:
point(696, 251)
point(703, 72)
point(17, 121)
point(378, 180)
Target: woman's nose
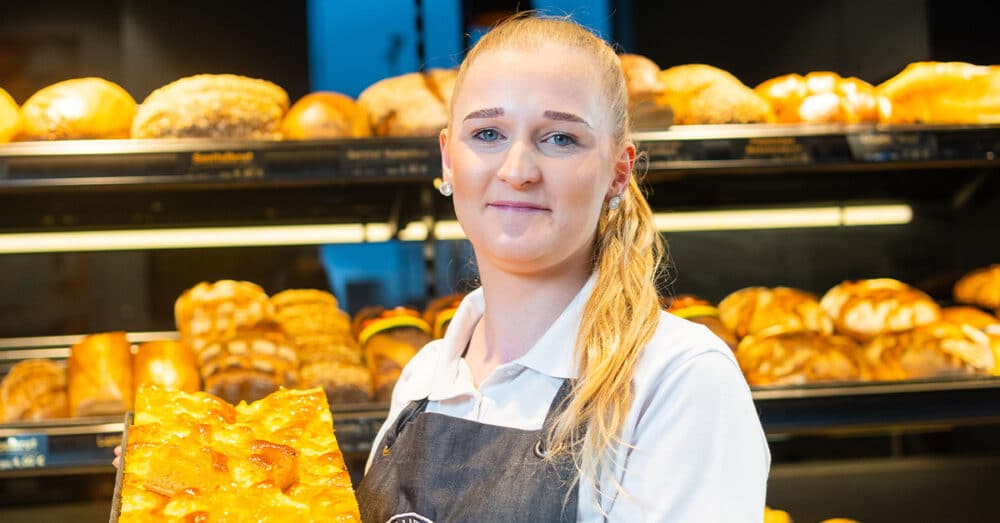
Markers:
point(519, 167)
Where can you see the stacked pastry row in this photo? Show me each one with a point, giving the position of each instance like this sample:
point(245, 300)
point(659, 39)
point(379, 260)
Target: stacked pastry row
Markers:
point(780, 516)
point(880, 329)
point(924, 92)
point(100, 378)
point(227, 106)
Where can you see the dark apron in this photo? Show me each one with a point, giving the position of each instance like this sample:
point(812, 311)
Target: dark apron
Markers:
point(439, 468)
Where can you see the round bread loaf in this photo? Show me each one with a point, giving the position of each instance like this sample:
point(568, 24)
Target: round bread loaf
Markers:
point(166, 364)
point(936, 349)
point(969, 316)
point(641, 76)
point(213, 106)
point(794, 358)
point(820, 97)
point(414, 104)
point(702, 94)
point(764, 311)
point(864, 309)
point(10, 117)
point(325, 115)
point(210, 310)
point(82, 108)
point(34, 390)
point(980, 287)
point(941, 92)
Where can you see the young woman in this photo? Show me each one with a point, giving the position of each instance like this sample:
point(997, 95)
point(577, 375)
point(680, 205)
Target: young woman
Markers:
point(561, 391)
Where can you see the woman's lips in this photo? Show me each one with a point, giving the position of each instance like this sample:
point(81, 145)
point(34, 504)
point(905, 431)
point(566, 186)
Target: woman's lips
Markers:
point(516, 206)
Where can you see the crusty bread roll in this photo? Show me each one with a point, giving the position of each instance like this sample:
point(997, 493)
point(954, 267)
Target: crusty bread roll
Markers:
point(167, 364)
point(864, 309)
point(969, 316)
point(82, 108)
point(641, 76)
point(213, 106)
point(820, 97)
point(414, 104)
point(34, 390)
point(10, 117)
point(219, 309)
point(325, 115)
point(794, 358)
point(980, 287)
point(765, 311)
point(249, 364)
point(390, 338)
point(698, 310)
point(100, 375)
point(936, 349)
point(702, 94)
point(942, 92)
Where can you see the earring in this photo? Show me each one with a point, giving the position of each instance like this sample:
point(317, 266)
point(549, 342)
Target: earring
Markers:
point(445, 189)
point(614, 202)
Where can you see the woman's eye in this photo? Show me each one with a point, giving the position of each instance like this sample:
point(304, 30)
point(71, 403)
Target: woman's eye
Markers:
point(562, 140)
point(487, 135)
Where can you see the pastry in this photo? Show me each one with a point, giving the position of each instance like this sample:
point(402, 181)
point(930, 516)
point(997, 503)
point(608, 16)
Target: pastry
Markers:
point(764, 311)
point(325, 115)
point(390, 338)
point(34, 390)
point(167, 364)
point(864, 309)
point(414, 104)
point(219, 309)
point(10, 117)
point(213, 106)
point(936, 349)
point(100, 375)
point(980, 287)
point(942, 92)
point(701, 311)
point(820, 97)
point(702, 94)
point(795, 358)
point(77, 109)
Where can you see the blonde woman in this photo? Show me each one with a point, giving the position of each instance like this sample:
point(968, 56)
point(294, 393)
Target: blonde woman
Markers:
point(561, 392)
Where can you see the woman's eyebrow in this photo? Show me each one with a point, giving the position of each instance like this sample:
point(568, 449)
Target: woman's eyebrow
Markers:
point(566, 117)
point(492, 112)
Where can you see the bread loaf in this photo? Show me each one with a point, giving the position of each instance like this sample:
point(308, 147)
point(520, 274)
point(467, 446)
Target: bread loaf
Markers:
point(100, 375)
point(414, 104)
point(980, 287)
point(249, 364)
point(10, 117)
point(33, 390)
point(960, 315)
point(936, 349)
point(82, 108)
point(864, 309)
point(641, 77)
point(820, 97)
point(795, 358)
point(440, 311)
point(166, 364)
point(764, 311)
point(213, 106)
point(342, 382)
point(702, 94)
point(325, 115)
point(212, 310)
point(942, 92)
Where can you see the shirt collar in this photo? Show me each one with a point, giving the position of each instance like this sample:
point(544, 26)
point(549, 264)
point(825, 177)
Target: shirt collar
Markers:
point(554, 354)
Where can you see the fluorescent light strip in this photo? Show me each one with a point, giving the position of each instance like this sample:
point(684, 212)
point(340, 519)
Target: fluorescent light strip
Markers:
point(202, 237)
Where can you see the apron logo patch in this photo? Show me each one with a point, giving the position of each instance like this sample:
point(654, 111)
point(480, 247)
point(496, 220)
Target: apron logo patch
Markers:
point(409, 517)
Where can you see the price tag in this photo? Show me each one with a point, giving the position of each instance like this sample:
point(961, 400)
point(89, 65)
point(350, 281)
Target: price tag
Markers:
point(24, 452)
point(226, 165)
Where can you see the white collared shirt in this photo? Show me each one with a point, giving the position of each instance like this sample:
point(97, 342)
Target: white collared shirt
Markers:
point(695, 449)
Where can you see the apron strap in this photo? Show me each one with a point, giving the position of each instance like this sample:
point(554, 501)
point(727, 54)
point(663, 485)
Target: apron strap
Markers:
point(408, 414)
point(557, 407)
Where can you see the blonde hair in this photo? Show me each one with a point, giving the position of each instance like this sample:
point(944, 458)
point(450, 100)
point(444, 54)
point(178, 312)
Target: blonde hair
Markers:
point(622, 313)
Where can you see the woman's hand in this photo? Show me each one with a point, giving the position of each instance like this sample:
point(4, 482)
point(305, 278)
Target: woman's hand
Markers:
point(117, 462)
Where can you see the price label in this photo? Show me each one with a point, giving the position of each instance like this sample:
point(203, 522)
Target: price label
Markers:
point(23, 452)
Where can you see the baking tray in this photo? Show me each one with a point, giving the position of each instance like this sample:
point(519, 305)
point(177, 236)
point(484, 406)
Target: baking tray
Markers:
point(116, 500)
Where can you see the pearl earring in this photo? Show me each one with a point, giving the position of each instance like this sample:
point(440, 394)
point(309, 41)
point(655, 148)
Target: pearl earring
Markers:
point(445, 189)
point(614, 202)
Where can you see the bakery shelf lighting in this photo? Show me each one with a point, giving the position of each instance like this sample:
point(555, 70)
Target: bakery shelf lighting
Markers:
point(203, 237)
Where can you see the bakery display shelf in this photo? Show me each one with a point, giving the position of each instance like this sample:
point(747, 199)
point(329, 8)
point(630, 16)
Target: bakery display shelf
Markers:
point(708, 148)
point(760, 148)
point(870, 405)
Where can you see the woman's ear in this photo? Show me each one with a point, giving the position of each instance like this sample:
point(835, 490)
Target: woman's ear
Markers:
point(624, 164)
point(446, 174)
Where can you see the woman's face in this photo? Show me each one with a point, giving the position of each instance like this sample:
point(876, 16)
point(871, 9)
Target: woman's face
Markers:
point(530, 154)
